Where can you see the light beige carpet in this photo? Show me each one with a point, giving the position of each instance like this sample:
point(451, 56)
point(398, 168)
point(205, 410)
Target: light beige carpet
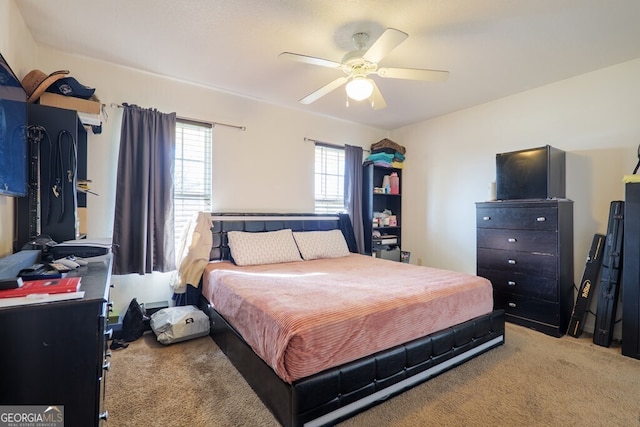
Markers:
point(532, 380)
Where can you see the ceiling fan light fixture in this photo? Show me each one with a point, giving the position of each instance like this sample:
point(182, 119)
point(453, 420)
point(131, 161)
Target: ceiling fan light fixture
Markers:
point(359, 88)
point(360, 63)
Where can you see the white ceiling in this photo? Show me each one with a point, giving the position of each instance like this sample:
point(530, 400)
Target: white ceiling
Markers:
point(492, 48)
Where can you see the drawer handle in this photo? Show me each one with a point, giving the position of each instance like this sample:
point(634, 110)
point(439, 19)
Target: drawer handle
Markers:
point(512, 304)
point(541, 219)
point(511, 240)
point(512, 261)
point(511, 283)
point(486, 218)
point(104, 416)
point(106, 366)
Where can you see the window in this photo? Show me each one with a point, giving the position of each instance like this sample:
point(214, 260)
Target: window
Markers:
point(329, 179)
point(192, 173)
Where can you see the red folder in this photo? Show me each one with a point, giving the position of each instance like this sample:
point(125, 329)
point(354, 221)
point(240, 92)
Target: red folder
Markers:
point(44, 286)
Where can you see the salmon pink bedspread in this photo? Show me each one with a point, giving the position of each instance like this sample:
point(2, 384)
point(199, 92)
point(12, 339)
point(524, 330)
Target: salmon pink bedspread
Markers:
point(308, 316)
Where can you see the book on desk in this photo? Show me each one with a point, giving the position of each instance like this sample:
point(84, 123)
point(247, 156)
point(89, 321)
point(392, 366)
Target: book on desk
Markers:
point(43, 287)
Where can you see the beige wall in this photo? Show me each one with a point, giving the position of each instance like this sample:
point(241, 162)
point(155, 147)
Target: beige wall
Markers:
point(267, 168)
point(595, 118)
point(450, 159)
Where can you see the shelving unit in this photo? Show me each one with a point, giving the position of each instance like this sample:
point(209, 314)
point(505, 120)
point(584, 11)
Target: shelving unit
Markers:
point(372, 177)
point(57, 216)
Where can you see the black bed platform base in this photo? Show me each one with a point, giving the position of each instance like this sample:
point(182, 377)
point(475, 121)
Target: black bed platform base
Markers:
point(339, 393)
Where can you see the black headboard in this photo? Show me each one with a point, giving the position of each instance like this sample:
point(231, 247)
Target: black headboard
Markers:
point(260, 222)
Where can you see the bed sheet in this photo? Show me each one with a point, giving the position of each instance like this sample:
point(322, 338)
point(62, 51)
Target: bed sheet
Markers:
point(307, 316)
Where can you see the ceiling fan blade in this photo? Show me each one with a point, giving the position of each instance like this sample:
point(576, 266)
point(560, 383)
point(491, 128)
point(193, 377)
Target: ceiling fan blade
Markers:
point(377, 100)
point(385, 44)
point(324, 90)
point(310, 60)
point(413, 74)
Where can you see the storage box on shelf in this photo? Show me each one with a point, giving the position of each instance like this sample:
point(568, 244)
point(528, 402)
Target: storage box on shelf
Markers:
point(71, 103)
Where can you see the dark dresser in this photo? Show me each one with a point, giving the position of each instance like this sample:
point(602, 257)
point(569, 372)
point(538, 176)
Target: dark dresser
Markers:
point(525, 247)
point(55, 353)
point(631, 273)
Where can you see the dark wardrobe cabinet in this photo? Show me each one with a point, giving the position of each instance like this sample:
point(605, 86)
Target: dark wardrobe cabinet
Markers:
point(57, 160)
point(631, 273)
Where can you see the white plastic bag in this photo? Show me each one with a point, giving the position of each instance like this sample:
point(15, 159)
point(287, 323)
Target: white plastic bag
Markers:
point(175, 324)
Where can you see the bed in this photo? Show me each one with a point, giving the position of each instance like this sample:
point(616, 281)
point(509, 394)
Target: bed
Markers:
point(300, 353)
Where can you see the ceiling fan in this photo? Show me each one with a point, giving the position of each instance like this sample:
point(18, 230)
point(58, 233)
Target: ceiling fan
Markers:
point(359, 64)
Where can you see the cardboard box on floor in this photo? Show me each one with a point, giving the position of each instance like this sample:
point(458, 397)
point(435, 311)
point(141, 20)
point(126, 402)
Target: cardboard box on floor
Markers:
point(70, 103)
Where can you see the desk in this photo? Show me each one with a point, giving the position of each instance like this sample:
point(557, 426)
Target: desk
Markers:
point(54, 353)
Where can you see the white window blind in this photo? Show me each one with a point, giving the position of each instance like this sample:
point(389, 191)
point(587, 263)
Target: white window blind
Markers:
point(329, 179)
point(192, 173)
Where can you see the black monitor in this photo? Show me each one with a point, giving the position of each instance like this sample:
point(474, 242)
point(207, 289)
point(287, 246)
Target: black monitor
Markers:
point(534, 173)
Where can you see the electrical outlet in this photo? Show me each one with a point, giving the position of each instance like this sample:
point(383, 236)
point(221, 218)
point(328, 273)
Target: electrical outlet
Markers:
point(419, 261)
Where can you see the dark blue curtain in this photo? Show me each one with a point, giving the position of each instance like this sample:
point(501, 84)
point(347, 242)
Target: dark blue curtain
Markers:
point(143, 236)
point(353, 192)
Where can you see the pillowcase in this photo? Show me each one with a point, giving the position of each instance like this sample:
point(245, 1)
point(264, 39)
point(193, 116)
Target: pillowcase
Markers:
point(321, 244)
point(263, 248)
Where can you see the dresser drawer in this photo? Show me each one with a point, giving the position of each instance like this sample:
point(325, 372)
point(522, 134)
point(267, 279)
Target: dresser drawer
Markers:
point(545, 242)
point(545, 288)
point(529, 308)
point(530, 218)
point(518, 262)
point(525, 248)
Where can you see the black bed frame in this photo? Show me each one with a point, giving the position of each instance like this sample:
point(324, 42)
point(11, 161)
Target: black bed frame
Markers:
point(341, 392)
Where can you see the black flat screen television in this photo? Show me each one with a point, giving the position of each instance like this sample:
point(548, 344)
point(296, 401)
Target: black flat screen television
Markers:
point(13, 133)
point(534, 173)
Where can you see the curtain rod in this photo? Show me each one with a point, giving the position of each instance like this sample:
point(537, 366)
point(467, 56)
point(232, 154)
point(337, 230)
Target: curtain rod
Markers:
point(328, 144)
point(242, 128)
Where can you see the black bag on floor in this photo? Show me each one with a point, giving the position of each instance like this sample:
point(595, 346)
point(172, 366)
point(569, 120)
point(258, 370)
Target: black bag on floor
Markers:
point(609, 285)
point(134, 323)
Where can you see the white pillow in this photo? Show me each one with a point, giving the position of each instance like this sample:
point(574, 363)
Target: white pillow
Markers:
point(263, 248)
point(321, 244)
